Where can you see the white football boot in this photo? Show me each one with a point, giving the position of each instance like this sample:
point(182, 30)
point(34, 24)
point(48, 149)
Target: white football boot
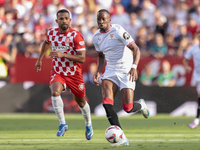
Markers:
point(123, 142)
point(194, 124)
point(144, 109)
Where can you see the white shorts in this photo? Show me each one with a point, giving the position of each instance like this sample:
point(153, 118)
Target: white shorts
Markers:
point(121, 80)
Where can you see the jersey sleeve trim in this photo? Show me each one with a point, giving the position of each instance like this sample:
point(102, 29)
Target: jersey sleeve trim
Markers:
point(130, 43)
point(81, 49)
point(98, 51)
point(47, 41)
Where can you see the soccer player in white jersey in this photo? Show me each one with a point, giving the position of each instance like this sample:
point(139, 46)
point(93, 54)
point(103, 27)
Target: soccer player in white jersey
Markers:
point(68, 51)
point(115, 46)
point(194, 52)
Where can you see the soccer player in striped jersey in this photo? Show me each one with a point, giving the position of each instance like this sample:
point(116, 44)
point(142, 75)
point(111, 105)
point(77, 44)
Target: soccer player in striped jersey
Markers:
point(68, 51)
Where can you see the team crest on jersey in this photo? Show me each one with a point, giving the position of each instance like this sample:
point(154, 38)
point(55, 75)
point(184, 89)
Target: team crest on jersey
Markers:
point(99, 39)
point(67, 40)
point(126, 35)
point(81, 42)
point(81, 86)
point(111, 36)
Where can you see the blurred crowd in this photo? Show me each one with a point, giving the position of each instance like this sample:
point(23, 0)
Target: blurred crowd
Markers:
point(159, 27)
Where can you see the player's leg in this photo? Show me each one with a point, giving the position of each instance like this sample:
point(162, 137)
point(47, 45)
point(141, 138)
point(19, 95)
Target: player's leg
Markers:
point(85, 110)
point(109, 90)
point(195, 122)
point(130, 106)
point(56, 89)
point(127, 88)
point(127, 101)
point(77, 87)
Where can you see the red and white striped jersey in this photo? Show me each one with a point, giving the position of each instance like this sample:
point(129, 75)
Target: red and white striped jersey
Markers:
point(69, 42)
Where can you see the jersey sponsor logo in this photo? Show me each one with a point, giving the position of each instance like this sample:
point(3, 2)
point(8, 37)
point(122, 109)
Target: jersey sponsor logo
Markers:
point(81, 86)
point(60, 47)
point(67, 40)
point(81, 42)
point(111, 36)
point(126, 35)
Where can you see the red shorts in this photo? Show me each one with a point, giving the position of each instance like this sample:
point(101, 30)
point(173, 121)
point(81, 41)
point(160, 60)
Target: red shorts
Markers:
point(74, 83)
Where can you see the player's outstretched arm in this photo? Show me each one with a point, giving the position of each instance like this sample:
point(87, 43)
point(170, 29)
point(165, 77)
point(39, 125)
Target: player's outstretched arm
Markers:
point(100, 65)
point(38, 64)
point(136, 58)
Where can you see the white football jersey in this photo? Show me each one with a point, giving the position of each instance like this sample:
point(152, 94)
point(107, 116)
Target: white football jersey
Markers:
point(114, 45)
point(194, 52)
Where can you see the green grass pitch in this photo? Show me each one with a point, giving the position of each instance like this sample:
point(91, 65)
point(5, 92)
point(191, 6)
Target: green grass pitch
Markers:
point(38, 132)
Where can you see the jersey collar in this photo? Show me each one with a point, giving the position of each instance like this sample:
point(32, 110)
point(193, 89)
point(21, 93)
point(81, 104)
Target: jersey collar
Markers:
point(107, 30)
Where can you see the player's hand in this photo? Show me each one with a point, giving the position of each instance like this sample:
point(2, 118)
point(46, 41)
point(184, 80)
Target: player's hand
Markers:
point(188, 68)
point(38, 65)
point(95, 78)
point(56, 54)
point(133, 75)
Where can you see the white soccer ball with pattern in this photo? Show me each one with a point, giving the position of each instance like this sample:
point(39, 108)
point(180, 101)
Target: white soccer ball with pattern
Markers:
point(113, 134)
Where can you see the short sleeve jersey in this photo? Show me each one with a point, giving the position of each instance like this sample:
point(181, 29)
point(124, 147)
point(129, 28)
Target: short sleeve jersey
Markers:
point(114, 45)
point(69, 43)
point(194, 52)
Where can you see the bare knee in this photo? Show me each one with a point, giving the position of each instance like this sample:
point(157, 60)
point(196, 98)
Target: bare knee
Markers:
point(56, 88)
point(80, 101)
point(55, 93)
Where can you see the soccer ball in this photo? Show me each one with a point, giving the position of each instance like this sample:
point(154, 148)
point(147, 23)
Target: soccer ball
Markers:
point(113, 134)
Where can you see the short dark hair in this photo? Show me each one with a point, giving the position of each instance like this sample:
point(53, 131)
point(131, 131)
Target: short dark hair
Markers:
point(62, 11)
point(104, 10)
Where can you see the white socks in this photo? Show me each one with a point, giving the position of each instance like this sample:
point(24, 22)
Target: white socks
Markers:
point(58, 108)
point(196, 121)
point(86, 114)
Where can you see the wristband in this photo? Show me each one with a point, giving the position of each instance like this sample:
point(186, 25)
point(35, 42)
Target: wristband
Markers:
point(134, 66)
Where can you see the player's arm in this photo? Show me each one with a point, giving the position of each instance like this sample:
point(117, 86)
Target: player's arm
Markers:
point(79, 57)
point(79, 45)
point(100, 65)
point(45, 46)
point(186, 64)
point(136, 58)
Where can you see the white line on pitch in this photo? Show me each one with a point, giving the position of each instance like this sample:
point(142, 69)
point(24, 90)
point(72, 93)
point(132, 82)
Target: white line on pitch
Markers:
point(137, 140)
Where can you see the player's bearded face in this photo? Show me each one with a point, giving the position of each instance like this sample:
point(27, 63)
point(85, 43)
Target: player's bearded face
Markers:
point(63, 21)
point(64, 26)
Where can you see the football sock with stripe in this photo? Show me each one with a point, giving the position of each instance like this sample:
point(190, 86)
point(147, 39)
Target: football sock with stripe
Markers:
point(86, 114)
point(58, 108)
point(111, 115)
point(135, 108)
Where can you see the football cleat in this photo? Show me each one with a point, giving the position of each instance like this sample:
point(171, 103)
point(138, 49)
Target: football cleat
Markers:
point(193, 125)
point(62, 129)
point(88, 132)
point(123, 142)
point(144, 110)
